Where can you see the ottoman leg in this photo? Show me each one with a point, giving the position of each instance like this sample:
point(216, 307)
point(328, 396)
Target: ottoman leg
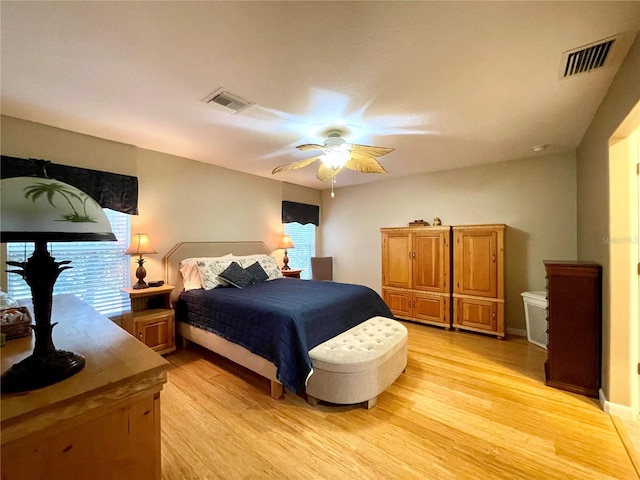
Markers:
point(313, 401)
point(369, 404)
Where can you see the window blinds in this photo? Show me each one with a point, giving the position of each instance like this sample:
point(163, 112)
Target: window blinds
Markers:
point(304, 239)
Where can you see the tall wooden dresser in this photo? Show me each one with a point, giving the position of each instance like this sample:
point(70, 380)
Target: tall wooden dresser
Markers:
point(478, 278)
point(416, 273)
point(574, 293)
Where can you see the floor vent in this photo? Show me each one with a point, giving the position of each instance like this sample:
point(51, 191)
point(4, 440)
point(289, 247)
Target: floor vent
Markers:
point(228, 100)
point(603, 53)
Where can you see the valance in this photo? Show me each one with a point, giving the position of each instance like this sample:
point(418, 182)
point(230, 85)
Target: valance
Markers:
point(300, 212)
point(110, 190)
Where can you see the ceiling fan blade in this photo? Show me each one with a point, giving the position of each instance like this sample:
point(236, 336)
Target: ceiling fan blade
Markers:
point(310, 146)
point(295, 165)
point(370, 151)
point(326, 173)
point(364, 164)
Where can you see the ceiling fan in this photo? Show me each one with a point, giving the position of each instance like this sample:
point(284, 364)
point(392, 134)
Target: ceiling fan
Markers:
point(337, 154)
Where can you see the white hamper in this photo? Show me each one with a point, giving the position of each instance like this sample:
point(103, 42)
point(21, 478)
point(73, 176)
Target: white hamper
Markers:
point(535, 312)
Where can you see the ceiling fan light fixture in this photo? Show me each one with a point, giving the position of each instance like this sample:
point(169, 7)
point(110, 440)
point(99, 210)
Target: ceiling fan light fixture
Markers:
point(334, 140)
point(336, 154)
point(335, 158)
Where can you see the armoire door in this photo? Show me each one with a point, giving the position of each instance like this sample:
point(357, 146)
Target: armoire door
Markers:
point(431, 261)
point(397, 259)
point(475, 262)
point(398, 301)
point(476, 314)
point(432, 308)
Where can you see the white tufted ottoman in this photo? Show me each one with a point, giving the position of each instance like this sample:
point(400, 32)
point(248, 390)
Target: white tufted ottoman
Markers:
point(359, 364)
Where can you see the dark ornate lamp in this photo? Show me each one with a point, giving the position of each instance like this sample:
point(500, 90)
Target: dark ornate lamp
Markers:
point(285, 242)
point(140, 245)
point(44, 210)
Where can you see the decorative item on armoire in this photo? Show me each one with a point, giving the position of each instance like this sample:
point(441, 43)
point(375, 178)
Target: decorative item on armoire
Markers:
point(419, 223)
point(43, 210)
point(436, 221)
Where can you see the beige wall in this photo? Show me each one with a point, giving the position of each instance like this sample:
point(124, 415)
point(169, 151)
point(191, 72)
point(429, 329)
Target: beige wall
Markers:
point(179, 199)
point(535, 197)
point(592, 167)
point(24, 139)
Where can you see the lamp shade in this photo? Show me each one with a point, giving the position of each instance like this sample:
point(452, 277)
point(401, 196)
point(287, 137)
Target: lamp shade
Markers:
point(43, 210)
point(140, 245)
point(46, 209)
point(285, 242)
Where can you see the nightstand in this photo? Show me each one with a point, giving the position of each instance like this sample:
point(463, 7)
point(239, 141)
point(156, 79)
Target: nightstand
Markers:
point(291, 273)
point(151, 319)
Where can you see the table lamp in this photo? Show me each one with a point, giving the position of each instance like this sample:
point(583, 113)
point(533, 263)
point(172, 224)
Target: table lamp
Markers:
point(43, 210)
point(140, 245)
point(285, 242)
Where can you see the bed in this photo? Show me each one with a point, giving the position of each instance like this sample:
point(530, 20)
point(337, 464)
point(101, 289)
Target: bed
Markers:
point(269, 327)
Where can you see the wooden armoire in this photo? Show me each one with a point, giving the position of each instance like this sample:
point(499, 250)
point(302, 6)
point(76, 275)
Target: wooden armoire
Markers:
point(416, 273)
point(478, 278)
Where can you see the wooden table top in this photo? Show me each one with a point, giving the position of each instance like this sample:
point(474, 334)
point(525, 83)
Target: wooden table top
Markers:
point(117, 367)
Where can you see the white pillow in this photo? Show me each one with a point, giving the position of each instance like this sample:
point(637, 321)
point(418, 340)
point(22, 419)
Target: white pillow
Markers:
point(191, 273)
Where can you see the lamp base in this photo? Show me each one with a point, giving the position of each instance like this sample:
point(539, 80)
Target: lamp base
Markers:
point(285, 261)
point(41, 371)
point(141, 272)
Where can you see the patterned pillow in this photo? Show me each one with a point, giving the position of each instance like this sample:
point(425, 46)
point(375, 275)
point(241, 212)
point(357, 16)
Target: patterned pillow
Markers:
point(257, 272)
point(237, 276)
point(267, 262)
point(210, 270)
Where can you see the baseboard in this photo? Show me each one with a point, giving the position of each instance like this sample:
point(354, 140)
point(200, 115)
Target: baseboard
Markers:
point(517, 332)
point(622, 411)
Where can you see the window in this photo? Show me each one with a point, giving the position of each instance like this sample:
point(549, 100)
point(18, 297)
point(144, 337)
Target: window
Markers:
point(100, 269)
point(304, 239)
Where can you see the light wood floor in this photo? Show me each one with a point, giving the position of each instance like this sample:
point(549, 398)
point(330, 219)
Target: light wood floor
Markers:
point(468, 407)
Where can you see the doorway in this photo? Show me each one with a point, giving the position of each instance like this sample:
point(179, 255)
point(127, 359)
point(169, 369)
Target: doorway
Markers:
point(624, 250)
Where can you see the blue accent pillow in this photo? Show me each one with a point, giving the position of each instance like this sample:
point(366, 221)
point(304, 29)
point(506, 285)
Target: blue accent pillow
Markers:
point(257, 272)
point(237, 276)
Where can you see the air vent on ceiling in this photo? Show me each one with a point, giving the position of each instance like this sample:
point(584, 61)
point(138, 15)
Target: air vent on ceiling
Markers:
point(607, 52)
point(587, 59)
point(228, 100)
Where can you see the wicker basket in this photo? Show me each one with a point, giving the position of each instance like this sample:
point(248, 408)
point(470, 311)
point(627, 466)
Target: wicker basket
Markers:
point(15, 322)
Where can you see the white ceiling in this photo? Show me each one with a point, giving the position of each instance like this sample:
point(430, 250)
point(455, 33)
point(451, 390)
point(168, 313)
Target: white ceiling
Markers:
point(447, 84)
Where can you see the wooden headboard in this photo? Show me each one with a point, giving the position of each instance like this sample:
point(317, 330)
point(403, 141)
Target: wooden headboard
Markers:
point(204, 249)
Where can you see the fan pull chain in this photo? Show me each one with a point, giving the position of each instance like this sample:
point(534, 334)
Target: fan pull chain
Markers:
point(333, 180)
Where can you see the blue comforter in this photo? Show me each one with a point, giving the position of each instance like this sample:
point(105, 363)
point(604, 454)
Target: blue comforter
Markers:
point(281, 320)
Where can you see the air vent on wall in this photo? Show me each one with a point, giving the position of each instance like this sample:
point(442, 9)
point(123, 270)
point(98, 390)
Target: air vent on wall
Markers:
point(608, 52)
point(228, 100)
